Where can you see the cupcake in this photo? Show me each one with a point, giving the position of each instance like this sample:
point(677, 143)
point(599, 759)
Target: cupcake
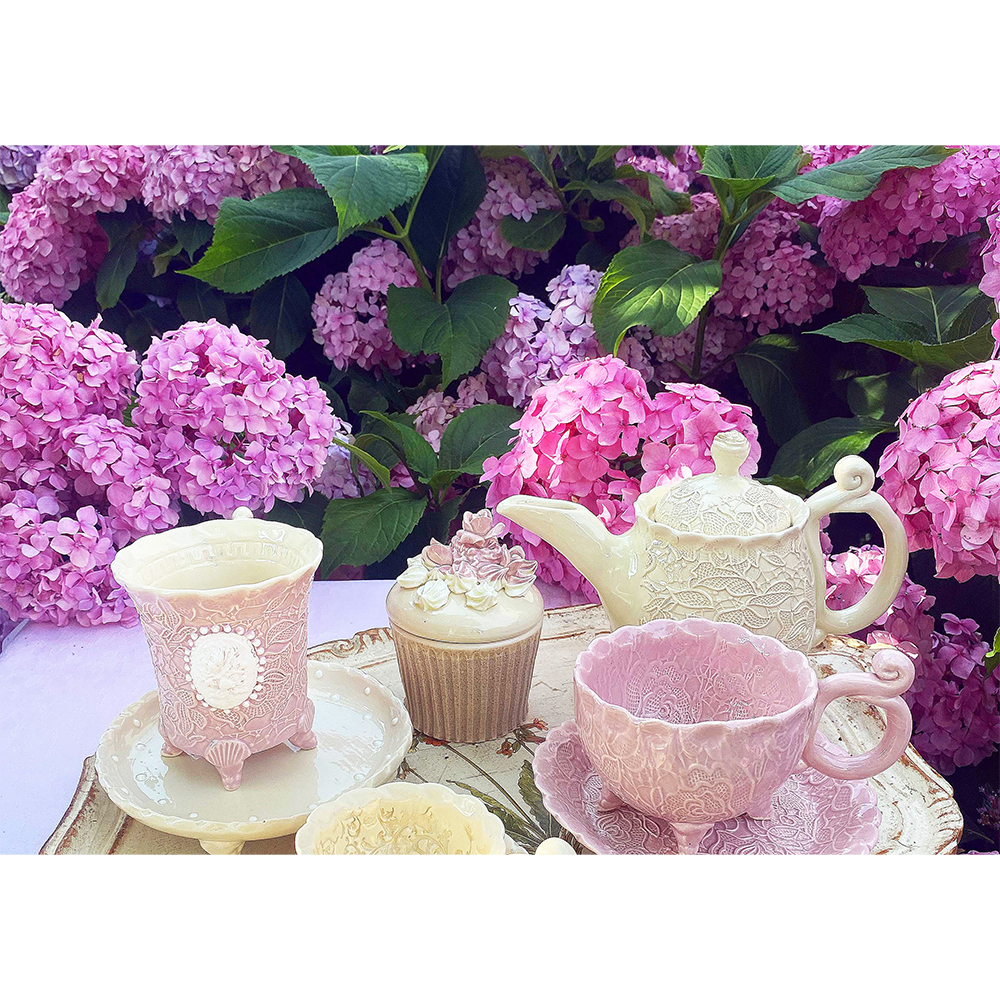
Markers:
point(466, 619)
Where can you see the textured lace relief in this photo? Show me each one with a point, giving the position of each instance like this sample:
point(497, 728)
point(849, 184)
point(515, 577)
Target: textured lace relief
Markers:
point(693, 721)
point(687, 507)
point(203, 652)
point(765, 587)
point(397, 829)
point(811, 813)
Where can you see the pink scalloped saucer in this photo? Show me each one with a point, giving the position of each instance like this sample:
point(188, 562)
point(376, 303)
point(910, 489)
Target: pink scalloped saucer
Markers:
point(812, 814)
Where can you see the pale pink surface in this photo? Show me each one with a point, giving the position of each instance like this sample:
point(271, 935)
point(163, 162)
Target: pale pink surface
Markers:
point(812, 814)
point(78, 679)
point(696, 721)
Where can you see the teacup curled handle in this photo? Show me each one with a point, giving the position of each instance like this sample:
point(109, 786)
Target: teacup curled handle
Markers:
point(851, 492)
point(891, 674)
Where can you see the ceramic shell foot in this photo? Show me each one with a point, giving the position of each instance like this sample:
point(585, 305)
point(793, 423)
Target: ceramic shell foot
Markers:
point(221, 846)
point(689, 836)
point(304, 741)
point(305, 738)
point(169, 750)
point(227, 757)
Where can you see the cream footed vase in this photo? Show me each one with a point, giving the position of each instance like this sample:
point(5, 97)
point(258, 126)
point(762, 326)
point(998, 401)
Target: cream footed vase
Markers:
point(724, 547)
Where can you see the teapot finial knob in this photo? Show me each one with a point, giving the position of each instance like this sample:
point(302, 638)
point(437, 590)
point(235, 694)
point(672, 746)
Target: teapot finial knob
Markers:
point(729, 451)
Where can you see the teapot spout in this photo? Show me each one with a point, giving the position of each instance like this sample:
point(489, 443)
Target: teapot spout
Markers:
point(603, 558)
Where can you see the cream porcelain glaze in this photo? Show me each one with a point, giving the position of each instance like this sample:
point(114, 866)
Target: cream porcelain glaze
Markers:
point(456, 620)
point(772, 582)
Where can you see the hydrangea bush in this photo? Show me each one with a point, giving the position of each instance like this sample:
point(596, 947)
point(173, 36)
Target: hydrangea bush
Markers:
point(374, 341)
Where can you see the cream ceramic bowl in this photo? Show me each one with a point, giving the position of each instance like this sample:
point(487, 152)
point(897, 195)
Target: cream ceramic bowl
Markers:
point(402, 818)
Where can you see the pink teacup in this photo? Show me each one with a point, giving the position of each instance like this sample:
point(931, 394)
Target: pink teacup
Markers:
point(697, 721)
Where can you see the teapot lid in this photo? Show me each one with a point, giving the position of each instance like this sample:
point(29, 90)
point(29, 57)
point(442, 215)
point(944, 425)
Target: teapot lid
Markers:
point(724, 502)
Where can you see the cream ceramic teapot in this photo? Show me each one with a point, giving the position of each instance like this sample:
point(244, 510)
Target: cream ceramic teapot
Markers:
point(725, 547)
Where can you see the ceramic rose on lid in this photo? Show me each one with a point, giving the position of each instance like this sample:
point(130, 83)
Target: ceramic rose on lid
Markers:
point(466, 619)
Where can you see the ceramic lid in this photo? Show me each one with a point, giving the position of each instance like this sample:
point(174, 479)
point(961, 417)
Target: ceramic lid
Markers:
point(458, 620)
point(724, 502)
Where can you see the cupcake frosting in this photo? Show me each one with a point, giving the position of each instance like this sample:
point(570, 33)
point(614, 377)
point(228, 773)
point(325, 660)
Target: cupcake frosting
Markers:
point(475, 568)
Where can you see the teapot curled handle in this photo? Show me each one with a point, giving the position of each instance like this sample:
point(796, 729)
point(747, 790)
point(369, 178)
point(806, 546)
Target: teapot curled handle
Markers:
point(851, 492)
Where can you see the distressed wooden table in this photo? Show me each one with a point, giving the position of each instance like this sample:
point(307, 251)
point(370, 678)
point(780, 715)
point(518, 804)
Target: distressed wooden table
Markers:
point(919, 813)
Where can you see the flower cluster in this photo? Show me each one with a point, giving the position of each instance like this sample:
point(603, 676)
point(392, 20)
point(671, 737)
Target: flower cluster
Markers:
point(910, 208)
point(990, 285)
point(55, 566)
point(338, 479)
point(576, 432)
point(942, 475)
point(52, 243)
point(225, 424)
point(539, 344)
point(769, 277)
point(474, 564)
point(350, 309)
point(53, 373)
point(513, 189)
point(677, 174)
point(434, 410)
point(18, 165)
point(956, 711)
point(74, 481)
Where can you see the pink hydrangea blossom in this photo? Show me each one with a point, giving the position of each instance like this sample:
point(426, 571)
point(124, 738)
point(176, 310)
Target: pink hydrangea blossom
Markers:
point(350, 309)
point(540, 344)
point(578, 431)
point(224, 422)
point(769, 276)
point(513, 189)
point(677, 175)
point(434, 410)
point(43, 259)
point(109, 464)
point(261, 170)
point(338, 479)
point(53, 372)
point(18, 165)
point(956, 710)
point(909, 208)
point(942, 476)
point(182, 180)
point(55, 566)
point(90, 179)
point(990, 285)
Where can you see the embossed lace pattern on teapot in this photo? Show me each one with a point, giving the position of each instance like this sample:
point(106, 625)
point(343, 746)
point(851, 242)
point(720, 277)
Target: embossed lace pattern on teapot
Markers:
point(686, 507)
point(751, 586)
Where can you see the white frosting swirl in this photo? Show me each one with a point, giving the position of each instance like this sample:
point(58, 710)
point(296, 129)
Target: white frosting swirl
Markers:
point(415, 574)
point(433, 595)
point(518, 589)
point(459, 584)
point(481, 596)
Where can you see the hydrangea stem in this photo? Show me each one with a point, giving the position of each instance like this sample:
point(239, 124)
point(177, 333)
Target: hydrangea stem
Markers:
point(726, 231)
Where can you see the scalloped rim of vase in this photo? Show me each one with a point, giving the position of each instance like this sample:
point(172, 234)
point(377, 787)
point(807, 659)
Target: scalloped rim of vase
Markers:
point(606, 645)
point(128, 565)
point(430, 794)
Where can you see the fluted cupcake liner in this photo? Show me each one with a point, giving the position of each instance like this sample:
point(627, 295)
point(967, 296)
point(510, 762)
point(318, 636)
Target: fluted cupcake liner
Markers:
point(466, 692)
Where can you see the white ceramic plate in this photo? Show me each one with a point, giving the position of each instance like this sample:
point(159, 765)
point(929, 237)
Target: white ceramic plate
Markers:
point(363, 730)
